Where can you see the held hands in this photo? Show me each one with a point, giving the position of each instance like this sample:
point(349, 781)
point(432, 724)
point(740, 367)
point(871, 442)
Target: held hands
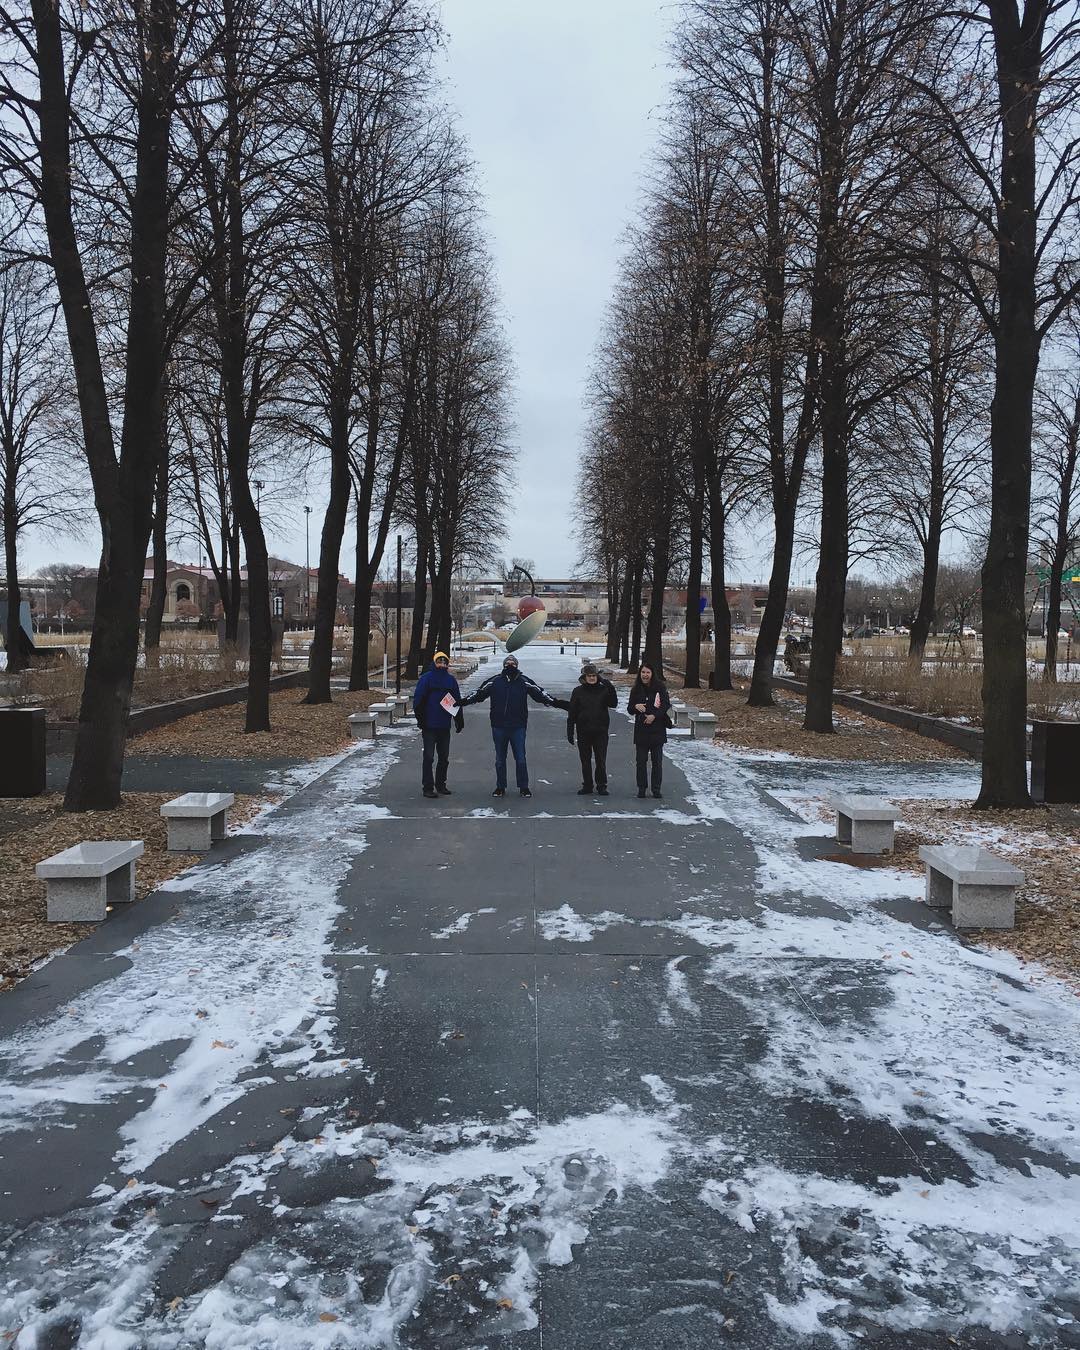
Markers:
point(650, 719)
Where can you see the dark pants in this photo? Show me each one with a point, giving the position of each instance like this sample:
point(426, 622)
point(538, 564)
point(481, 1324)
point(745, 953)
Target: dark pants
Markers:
point(436, 742)
point(514, 738)
point(590, 745)
point(645, 753)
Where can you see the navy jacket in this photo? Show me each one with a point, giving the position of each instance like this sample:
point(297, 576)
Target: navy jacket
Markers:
point(431, 688)
point(509, 697)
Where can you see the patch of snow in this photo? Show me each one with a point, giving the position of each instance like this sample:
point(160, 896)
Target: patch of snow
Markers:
point(459, 925)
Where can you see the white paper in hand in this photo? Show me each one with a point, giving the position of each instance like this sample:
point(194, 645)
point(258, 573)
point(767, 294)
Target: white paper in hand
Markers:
point(447, 702)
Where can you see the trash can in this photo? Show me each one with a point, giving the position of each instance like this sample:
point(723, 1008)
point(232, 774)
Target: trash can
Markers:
point(1055, 761)
point(22, 752)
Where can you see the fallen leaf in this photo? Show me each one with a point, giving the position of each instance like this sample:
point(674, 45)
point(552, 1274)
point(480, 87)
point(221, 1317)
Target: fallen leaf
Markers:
point(219, 1045)
point(208, 1202)
point(174, 1303)
point(452, 1279)
point(505, 1303)
point(328, 1317)
point(201, 1012)
point(925, 1195)
point(319, 1139)
point(457, 1035)
point(132, 1183)
point(524, 985)
point(918, 1092)
point(729, 1277)
point(908, 955)
point(411, 1228)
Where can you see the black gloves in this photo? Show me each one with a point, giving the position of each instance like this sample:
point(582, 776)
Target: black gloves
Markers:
point(570, 735)
point(459, 720)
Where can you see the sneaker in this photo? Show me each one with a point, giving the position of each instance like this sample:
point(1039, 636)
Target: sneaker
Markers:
point(525, 792)
point(499, 792)
point(601, 792)
point(656, 793)
point(641, 793)
point(584, 791)
point(430, 793)
point(443, 790)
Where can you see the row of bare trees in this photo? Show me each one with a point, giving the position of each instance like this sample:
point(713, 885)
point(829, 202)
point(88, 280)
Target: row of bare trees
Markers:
point(258, 228)
point(860, 234)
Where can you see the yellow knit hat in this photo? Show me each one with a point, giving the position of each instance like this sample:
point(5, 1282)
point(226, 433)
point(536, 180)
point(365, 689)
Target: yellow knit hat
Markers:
point(441, 656)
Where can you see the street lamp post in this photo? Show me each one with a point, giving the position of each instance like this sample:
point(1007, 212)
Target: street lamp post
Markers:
point(307, 564)
point(258, 485)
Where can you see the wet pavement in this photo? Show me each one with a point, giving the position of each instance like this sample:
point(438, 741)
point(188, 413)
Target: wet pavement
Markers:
point(561, 1072)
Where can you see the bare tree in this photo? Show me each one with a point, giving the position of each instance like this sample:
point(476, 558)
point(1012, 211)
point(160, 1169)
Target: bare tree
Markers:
point(37, 485)
point(1057, 486)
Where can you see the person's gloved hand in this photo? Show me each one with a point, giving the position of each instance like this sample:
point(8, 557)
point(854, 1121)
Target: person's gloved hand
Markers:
point(570, 735)
point(459, 720)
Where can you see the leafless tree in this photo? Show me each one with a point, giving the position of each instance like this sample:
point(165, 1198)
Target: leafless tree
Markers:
point(1057, 484)
point(39, 482)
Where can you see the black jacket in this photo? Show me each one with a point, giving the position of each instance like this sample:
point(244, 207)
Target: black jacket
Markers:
point(589, 704)
point(656, 698)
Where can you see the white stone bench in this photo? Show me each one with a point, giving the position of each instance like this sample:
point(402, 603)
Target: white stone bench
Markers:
point(865, 823)
point(196, 820)
point(401, 705)
point(82, 881)
point(979, 887)
point(384, 713)
point(701, 724)
point(362, 725)
point(680, 714)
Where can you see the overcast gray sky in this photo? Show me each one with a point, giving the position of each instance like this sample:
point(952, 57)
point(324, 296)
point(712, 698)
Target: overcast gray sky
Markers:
point(558, 102)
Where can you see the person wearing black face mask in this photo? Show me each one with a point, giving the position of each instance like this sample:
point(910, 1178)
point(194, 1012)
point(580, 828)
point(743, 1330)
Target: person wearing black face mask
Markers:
point(509, 692)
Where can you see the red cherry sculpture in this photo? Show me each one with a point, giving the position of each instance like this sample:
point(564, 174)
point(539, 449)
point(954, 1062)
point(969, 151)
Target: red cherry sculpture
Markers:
point(528, 606)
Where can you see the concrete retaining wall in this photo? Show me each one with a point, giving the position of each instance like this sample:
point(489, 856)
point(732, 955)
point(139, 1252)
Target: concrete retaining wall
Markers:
point(60, 736)
point(968, 739)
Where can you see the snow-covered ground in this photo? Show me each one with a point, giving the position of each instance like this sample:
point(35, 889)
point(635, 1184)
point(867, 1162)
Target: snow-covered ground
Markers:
point(964, 1061)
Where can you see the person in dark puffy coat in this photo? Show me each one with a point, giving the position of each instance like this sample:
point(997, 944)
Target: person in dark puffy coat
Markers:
point(432, 690)
point(588, 720)
point(649, 705)
point(509, 692)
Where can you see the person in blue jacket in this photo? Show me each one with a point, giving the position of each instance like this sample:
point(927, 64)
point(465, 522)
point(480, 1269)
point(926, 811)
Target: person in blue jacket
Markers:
point(509, 692)
point(435, 721)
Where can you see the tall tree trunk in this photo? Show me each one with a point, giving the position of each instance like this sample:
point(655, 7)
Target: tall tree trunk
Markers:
point(365, 581)
point(13, 641)
point(155, 610)
point(333, 530)
point(124, 485)
point(925, 614)
point(232, 598)
point(1016, 357)
point(625, 602)
point(654, 629)
point(635, 618)
point(416, 636)
point(787, 488)
point(1060, 551)
point(692, 678)
point(611, 646)
point(721, 671)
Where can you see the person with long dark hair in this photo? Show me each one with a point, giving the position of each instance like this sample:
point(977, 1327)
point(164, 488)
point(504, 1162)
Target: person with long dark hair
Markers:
point(649, 705)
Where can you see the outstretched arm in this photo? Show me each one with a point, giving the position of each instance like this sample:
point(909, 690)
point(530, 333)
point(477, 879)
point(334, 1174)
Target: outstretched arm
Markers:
point(480, 695)
point(539, 695)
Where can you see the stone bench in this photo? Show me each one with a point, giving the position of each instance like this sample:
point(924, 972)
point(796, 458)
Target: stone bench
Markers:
point(384, 713)
point(701, 724)
point(680, 714)
point(362, 725)
point(401, 705)
point(979, 887)
point(83, 881)
point(867, 824)
point(197, 820)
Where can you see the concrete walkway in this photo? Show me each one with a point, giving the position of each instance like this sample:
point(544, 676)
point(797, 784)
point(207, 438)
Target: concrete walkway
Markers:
point(564, 1072)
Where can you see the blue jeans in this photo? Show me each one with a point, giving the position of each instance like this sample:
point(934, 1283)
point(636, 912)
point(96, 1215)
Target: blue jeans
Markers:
point(514, 737)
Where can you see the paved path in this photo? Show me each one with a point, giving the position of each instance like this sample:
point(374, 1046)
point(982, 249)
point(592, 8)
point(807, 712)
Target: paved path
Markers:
point(557, 1073)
